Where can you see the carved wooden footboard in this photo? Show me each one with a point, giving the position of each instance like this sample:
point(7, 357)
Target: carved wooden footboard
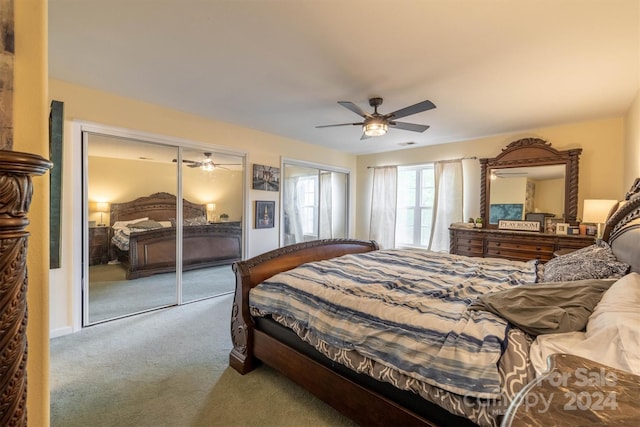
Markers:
point(154, 251)
point(203, 246)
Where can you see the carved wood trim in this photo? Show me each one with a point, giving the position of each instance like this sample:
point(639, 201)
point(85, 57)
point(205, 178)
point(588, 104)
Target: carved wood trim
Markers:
point(533, 152)
point(16, 188)
point(251, 272)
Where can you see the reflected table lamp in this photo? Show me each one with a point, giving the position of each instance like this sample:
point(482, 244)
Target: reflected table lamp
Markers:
point(596, 212)
point(211, 207)
point(102, 207)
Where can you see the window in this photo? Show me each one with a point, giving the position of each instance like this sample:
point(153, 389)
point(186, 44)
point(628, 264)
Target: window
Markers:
point(414, 209)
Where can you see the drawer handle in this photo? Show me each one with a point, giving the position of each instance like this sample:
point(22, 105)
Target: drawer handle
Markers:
point(498, 244)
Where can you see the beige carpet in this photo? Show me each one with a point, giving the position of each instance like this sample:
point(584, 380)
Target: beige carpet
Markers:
point(170, 368)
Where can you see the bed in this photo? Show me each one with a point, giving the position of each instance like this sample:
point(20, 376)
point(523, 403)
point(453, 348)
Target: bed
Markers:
point(144, 236)
point(341, 376)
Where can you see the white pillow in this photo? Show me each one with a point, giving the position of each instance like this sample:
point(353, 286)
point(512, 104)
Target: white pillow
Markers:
point(166, 224)
point(123, 224)
point(612, 334)
point(616, 319)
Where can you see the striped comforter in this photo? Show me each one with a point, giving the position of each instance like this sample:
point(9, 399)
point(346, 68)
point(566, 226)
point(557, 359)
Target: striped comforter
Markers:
point(405, 309)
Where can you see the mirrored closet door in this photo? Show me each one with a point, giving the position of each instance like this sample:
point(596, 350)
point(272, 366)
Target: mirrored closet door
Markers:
point(155, 232)
point(315, 202)
point(213, 180)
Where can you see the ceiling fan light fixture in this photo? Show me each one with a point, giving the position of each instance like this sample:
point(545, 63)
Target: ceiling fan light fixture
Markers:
point(375, 128)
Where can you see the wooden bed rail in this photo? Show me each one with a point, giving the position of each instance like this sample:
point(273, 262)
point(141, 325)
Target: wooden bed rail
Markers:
point(251, 272)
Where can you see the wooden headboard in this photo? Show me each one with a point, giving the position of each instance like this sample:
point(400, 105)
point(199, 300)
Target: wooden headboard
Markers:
point(158, 207)
point(622, 230)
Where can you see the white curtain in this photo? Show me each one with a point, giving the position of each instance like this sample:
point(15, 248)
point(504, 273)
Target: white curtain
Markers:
point(292, 212)
point(447, 206)
point(326, 206)
point(382, 227)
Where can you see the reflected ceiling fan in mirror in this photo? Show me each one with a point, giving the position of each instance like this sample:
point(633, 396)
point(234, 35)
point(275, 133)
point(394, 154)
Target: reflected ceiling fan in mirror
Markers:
point(376, 124)
point(206, 164)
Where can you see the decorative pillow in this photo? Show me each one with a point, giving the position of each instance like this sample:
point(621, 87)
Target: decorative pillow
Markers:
point(199, 220)
point(148, 224)
point(124, 224)
point(546, 308)
point(593, 262)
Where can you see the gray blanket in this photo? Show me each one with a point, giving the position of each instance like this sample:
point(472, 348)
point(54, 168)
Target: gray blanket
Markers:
point(546, 308)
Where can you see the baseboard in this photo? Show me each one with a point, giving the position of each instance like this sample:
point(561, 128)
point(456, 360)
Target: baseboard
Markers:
point(60, 332)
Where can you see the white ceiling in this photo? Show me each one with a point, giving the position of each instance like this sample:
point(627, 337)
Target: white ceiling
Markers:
point(280, 66)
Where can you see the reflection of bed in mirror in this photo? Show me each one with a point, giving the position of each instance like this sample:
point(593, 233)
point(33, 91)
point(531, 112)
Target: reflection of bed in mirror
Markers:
point(144, 236)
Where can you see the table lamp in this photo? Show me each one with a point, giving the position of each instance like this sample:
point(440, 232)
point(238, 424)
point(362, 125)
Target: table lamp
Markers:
point(596, 211)
point(102, 207)
point(211, 207)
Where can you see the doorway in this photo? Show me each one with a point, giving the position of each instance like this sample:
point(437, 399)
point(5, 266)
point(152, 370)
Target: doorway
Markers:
point(152, 229)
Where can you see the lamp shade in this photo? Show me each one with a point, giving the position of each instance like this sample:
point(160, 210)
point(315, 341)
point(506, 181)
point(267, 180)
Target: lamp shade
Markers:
point(211, 207)
point(597, 210)
point(375, 129)
point(102, 207)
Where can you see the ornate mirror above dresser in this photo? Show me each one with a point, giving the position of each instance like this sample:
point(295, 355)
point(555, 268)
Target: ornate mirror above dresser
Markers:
point(529, 177)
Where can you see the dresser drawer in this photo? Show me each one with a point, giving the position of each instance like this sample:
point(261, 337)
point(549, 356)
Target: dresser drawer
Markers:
point(518, 255)
point(576, 243)
point(521, 251)
point(523, 246)
point(514, 245)
point(469, 251)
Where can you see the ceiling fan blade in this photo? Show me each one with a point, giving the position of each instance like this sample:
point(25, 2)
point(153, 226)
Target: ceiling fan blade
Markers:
point(341, 124)
point(353, 107)
point(409, 126)
point(194, 164)
point(413, 109)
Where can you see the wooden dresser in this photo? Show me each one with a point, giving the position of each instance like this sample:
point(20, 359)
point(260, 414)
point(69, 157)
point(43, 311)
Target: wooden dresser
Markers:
point(515, 245)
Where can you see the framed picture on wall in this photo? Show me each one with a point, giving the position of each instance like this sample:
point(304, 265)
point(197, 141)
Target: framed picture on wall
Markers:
point(266, 178)
point(265, 214)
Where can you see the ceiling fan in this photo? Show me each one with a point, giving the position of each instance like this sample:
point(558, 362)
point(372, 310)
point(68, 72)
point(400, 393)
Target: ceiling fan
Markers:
point(376, 124)
point(206, 164)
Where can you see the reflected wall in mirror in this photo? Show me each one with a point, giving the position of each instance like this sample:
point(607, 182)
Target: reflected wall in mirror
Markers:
point(529, 180)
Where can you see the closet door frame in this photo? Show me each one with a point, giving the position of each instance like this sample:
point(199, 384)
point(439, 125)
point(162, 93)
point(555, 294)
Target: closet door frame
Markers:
point(79, 229)
point(320, 167)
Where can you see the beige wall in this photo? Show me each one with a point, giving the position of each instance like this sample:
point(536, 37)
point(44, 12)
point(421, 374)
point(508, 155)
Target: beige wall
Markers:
point(83, 105)
point(602, 142)
point(549, 196)
point(31, 130)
